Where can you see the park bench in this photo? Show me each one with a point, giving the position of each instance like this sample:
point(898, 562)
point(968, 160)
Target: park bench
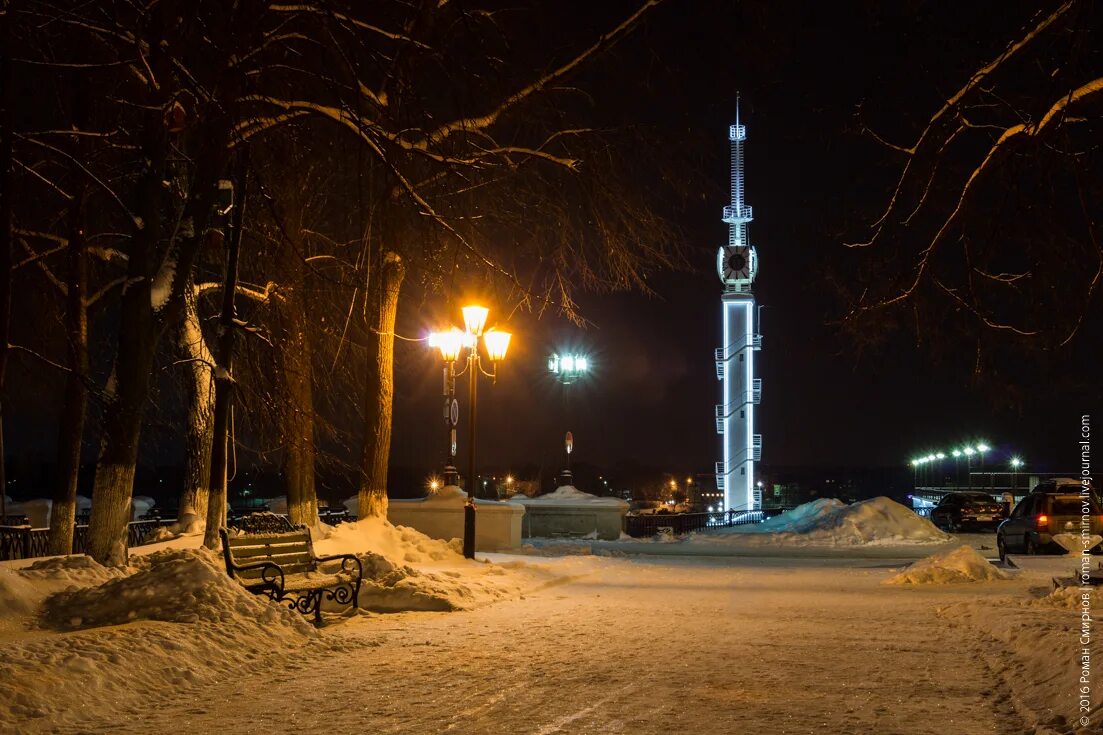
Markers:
point(270, 556)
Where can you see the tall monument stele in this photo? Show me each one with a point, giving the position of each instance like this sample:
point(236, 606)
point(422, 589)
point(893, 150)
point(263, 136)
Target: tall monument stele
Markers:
point(737, 266)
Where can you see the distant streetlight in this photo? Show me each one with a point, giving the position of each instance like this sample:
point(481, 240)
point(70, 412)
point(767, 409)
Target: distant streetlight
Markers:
point(567, 369)
point(451, 344)
point(1016, 463)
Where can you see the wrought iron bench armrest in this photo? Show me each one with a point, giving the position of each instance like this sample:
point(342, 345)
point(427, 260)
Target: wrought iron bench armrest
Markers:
point(266, 567)
point(345, 558)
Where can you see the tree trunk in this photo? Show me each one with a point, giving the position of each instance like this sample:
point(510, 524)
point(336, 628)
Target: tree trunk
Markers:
point(297, 412)
point(379, 387)
point(74, 406)
point(199, 430)
point(6, 137)
point(128, 387)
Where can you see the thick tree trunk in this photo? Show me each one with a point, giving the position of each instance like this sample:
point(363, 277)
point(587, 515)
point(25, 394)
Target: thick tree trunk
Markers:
point(74, 405)
point(128, 386)
point(199, 430)
point(379, 387)
point(296, 415)
point(6, 158)
point(298, 428)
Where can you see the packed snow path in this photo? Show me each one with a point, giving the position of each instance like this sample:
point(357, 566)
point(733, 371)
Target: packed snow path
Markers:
point(634, 646)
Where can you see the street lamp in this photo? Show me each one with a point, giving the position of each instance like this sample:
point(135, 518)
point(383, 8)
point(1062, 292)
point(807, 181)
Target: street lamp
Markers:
point(567, 369)
point(451, 344)
point(1016, 463)
point(969, 452)
point(981, 449)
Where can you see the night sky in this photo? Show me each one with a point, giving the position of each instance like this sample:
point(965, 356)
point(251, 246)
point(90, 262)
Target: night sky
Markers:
point(803, 70)
point(810, 74)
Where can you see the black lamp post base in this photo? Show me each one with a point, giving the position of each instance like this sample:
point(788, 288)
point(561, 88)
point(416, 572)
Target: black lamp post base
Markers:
point(469, 528)
point(565, 478)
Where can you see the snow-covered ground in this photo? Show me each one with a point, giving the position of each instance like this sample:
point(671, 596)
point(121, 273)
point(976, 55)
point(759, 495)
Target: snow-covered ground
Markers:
point(562, 643)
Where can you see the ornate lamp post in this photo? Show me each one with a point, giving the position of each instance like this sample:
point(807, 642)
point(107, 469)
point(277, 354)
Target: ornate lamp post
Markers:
point(451, 344)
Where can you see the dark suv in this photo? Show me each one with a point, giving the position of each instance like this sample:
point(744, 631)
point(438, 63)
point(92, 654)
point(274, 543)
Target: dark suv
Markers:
point(959, 510)
point(1052, 508)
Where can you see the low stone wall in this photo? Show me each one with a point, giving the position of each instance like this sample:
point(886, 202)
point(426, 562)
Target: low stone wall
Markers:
point(550, 520)
point(497, 525)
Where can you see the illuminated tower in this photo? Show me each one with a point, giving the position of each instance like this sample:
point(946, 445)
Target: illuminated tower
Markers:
point(736, 264)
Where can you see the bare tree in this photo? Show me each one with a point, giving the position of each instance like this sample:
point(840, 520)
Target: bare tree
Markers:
point(988, 231)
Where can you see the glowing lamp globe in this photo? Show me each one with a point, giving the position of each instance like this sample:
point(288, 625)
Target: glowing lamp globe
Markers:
point(474, 319)
point(497, 343)
point(450, 344)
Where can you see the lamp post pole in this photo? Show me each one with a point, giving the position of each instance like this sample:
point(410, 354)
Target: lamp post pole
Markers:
point(472, 485)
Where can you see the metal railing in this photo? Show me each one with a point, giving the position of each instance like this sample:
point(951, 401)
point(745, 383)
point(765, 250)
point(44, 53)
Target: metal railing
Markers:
point(734, 214)
point(24, 542)
point(642, 526)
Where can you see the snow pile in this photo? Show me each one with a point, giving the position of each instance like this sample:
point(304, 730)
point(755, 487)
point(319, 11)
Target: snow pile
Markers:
point(185, 586)
point(878, 521)
point(442, 580)
point(803, 515)
point(397, 544)
point(18, 597)
point(963, 564)
point(187, 624)
point(567, 495)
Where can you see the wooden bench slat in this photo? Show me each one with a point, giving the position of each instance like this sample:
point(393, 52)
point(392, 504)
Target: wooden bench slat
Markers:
point(288, 569)
point(248, 552)
point(273, 538)
point(283, 560)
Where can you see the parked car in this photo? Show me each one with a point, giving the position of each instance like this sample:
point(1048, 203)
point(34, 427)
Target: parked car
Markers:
point(959, 510)
point(1050, 509)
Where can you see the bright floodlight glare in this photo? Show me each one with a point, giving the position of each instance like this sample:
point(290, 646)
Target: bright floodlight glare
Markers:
point(567, 361)
point(968, 451)
point(982, 447)
point(956, 452)
point(450, 344)
point(581, 364)
point(553, 364)
point(497, 343)
point(474, 318)
point(1016, 462)
point(915, 463)
point(940, 455)
point(433, 339)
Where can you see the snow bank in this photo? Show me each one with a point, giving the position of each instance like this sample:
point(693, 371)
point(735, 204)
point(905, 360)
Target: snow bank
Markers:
point(567, 495)
point(186, 586)
point(807, 514)
point(187, 623)
point(879, 521)
point(963, 564)
point(398, 544)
